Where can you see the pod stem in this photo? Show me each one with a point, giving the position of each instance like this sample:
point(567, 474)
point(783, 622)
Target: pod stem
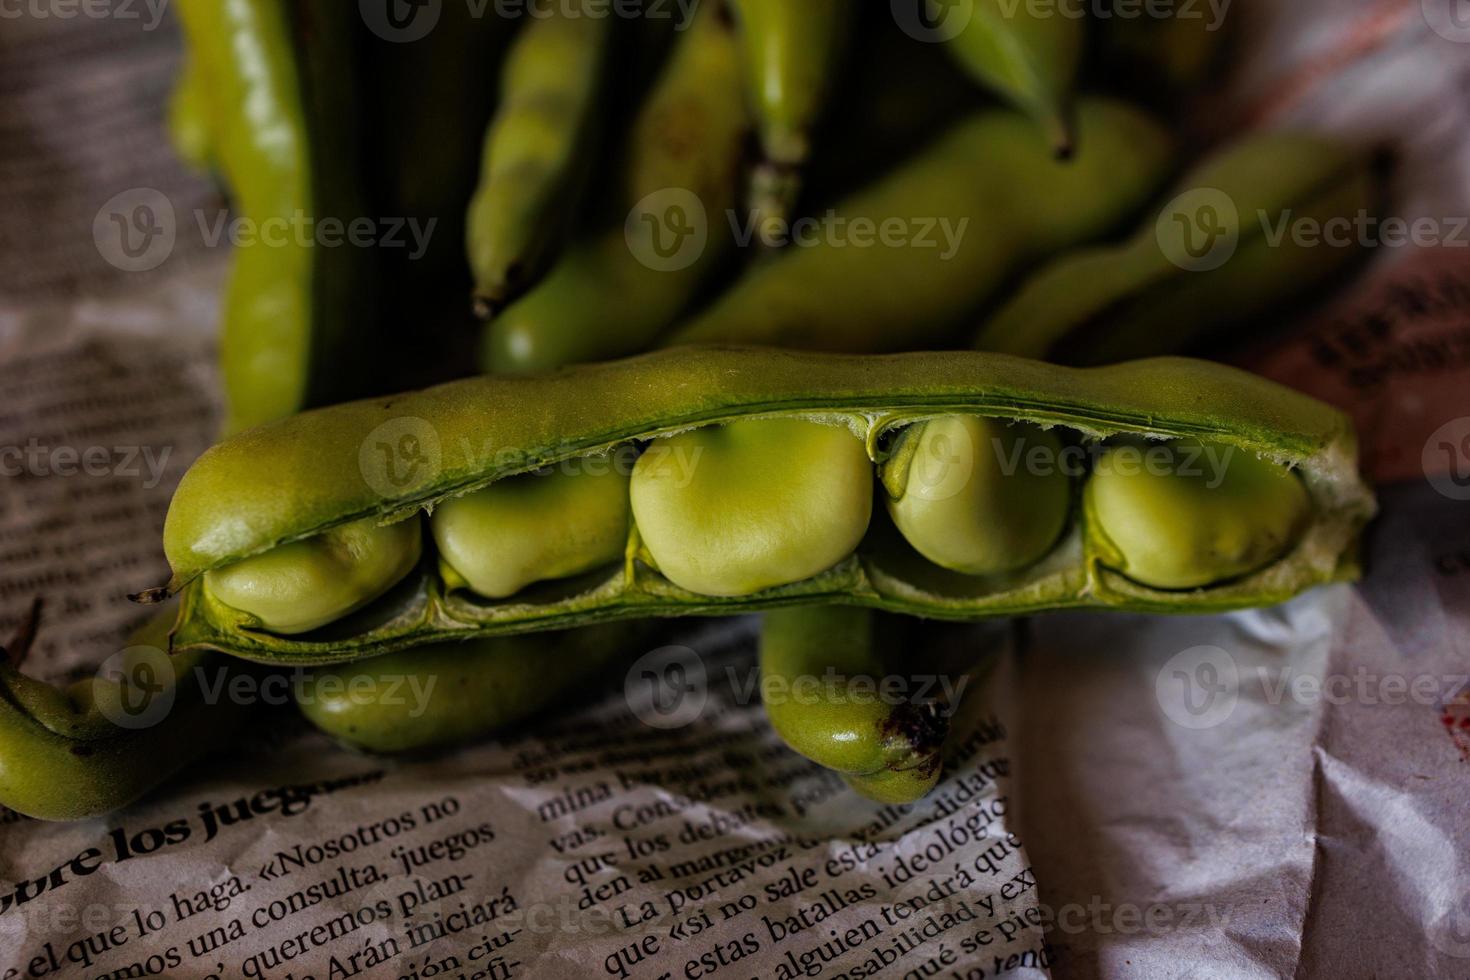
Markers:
point(15, 652)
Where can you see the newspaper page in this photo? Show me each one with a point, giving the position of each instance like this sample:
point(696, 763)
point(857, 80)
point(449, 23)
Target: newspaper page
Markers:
point(1274, 793)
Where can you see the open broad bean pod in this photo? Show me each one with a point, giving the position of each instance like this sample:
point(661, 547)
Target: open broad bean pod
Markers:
point(713, 480)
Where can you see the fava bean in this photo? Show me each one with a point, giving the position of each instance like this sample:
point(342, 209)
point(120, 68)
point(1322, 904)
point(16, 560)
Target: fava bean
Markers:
point(966, 493)
point(761, 504)
point(297, 587)
point(530, 528)
point(282, 126)
point(792, 54)
point(1181, 524)
point(106, 740)
point(753, 492)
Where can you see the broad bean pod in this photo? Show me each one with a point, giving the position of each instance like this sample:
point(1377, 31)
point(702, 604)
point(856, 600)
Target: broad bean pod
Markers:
point(970, 211)
point(1026, 55)
point(532, 164)
point(725, 520)
point(447, 693)
point(1211, 258)
point(821, 684)
point(278, 84)
point(792, 54)
point(102, 743)
point(610, 294)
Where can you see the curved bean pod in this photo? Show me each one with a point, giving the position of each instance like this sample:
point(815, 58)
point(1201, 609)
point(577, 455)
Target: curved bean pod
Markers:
point(458, 438)
point(280, 87)
point(1205, 262)
point(448, 693)
point(188, 116)
point(531, 163)
point(974, 208)
point(1027, 56)
point(64, 757)
point(791, 53)
point(818, 668)
point(611, 295)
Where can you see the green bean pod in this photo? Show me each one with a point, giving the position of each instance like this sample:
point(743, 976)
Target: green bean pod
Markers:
point(821, 684)
point(448, 693)
point(610, 294)
point(65, 756)
point(1026, 55)
point(282, 134)
point(690, 415)
point(972, 210)
point(792, 54)
point(188, 116)
point(532, 161)
point(1210, 259)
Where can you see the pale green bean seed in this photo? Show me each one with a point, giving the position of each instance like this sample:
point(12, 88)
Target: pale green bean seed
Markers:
point(1185, 516)
point(532, 528)
point(732, 509)
point(980, 496)
point(300, 586)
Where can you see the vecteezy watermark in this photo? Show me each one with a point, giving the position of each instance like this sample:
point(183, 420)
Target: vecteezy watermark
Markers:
point(136, 230)
point(1201, 230)
point(947, 464)
point(407, 21)
point(39, 459)
point(936, 21)
point(667, 688)
point(404, 455)
point(1450, 19)
point(302, 230)
point(1446, 459)
point(149, 12)
point(137, 688)
point(1200, 687)
point(668, 230)
point(834, 231)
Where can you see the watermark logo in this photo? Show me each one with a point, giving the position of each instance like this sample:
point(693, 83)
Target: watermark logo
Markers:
point(668, 230)
point(932, 21)
point(667, 688)
point(1446, 459)
point(134, 688)
point(149, 11)
point(400, 456)
point(1450, 19)
point(1199, 687)
point(1199, 230)
point(1450, 933)
point(401, 21)
point(136, 230)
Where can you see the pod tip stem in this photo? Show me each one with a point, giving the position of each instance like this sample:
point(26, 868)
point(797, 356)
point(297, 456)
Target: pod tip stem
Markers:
point(150, 597)
point(15, 652)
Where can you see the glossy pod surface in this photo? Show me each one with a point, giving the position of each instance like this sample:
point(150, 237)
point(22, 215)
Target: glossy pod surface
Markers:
point(86, 751)
point(447, 693)
point(818, 665)
point(946, 230)
point(391, 459)
point(1209, 259)
point(276, 78)
point(613, 292)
